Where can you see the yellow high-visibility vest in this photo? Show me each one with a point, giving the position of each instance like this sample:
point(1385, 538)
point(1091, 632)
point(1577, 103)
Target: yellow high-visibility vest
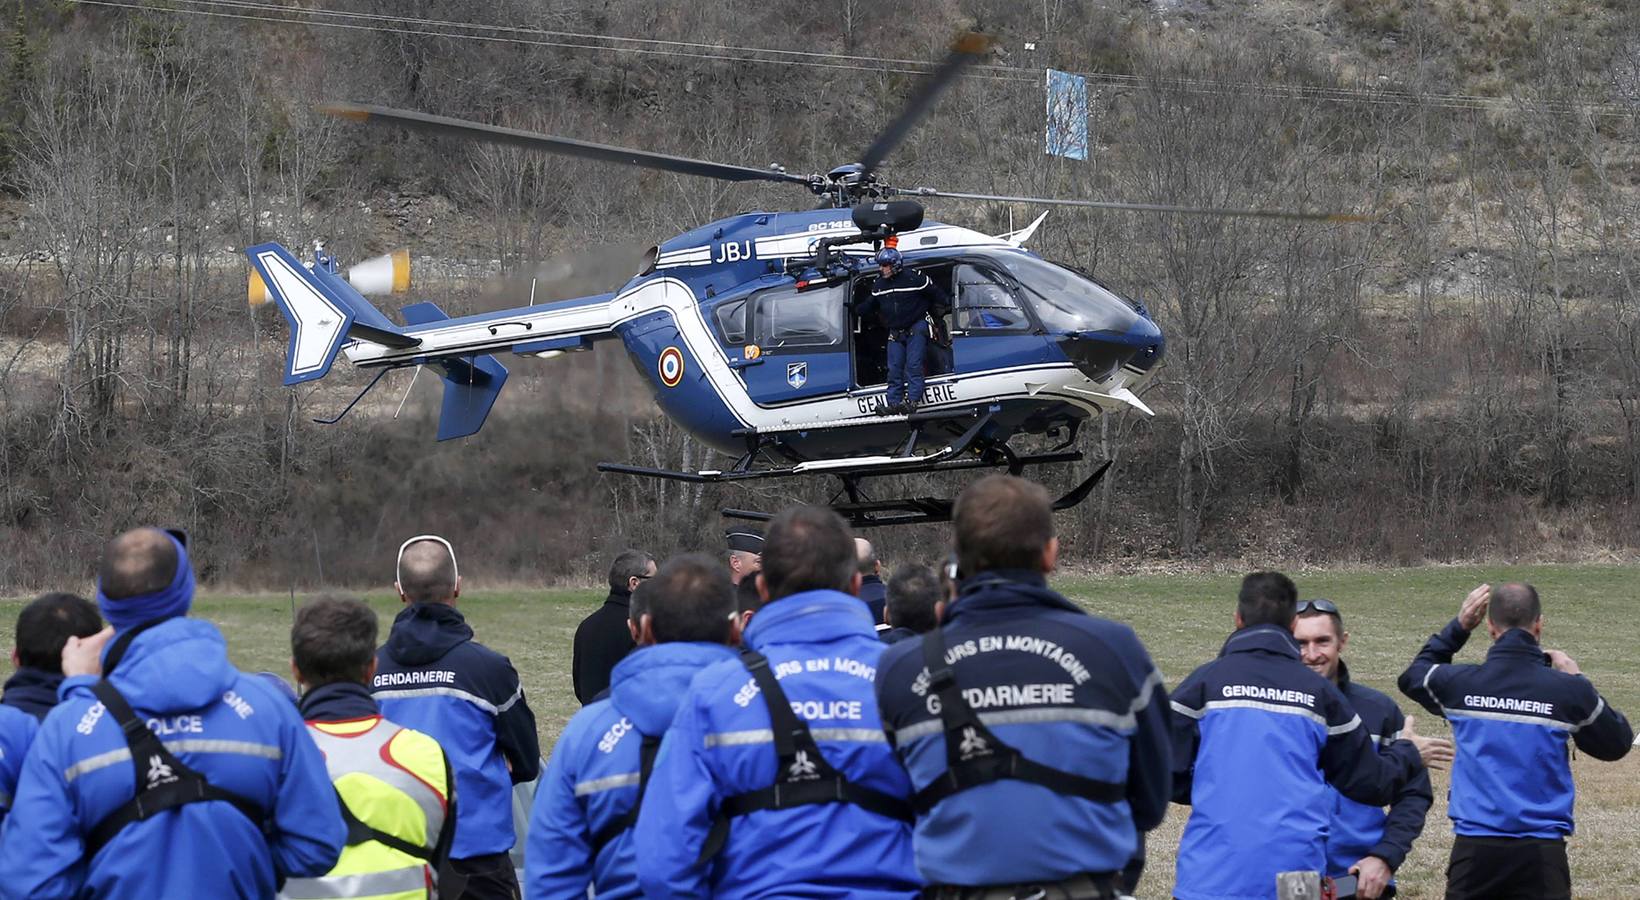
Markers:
point(395, 781)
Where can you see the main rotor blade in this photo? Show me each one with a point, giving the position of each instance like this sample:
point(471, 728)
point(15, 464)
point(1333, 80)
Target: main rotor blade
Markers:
point(551, 144)
point(1143, 207)
point(967, 49)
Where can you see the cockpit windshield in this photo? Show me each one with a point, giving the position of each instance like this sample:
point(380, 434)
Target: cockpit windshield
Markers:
point(1065, 300)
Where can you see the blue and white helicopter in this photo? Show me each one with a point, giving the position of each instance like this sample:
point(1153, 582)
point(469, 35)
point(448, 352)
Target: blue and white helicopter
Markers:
point(745, 332)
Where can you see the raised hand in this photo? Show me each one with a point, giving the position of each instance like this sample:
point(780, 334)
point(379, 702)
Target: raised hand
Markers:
point(1474, 607)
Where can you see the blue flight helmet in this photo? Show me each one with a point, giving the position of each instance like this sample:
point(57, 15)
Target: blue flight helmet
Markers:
point(888, 256)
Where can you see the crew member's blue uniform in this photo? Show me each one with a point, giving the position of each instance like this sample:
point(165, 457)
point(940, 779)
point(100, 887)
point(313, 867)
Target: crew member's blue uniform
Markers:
point(905, 300)
point(823, 649)
point(591, 782)
point(1067, 690)
point(1360, 830)
point(432, 676)
point(1512, 718)
point(227, 726)
point(32, 690)
point(17, 730)
point(1257, 737)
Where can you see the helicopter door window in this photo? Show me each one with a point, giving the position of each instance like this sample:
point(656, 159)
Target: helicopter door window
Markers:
point(785, 318)
point(731, 319)
point(984, 302)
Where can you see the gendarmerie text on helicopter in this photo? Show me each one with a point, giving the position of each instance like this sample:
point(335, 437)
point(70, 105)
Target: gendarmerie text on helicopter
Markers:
point(746, 333)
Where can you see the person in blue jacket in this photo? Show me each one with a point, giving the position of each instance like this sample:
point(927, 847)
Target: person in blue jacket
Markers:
point(1514, 718)
point(433, 677)
point(43, 627)
point(775, 779)
point(264, 810)
point(17, 730)
point(1036, 734)
point(1257, 738)
point(1363, 840)
point(683, 620)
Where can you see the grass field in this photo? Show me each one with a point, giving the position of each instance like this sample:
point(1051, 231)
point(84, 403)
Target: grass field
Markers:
point(1590, 613)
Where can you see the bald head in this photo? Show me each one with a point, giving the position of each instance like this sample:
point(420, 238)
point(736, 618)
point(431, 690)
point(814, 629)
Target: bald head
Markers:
point(427, 573)
point(866, 556)
point(140, 561)
point(1514, 606)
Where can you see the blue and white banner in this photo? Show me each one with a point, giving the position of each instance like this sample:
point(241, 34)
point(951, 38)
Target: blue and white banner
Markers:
point(1067, 115)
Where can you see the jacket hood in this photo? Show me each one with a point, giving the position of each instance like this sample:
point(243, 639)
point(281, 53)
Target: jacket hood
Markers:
point(810, 617)
point(650, 682)
point(178, 665)
point(32, 690)
point(424, 632)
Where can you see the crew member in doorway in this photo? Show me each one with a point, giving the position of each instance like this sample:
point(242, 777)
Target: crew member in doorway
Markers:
point(907, 301)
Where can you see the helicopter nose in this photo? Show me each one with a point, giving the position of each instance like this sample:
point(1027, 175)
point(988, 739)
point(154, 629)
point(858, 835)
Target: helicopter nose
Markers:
point(1101, 354)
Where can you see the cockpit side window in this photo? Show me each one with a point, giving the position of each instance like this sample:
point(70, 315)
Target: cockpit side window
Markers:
point(785, 318)
point(985, 302)
point(731, 320)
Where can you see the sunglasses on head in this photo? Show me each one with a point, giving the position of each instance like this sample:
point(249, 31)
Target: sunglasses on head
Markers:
point(1326, 606)
point(399, 561)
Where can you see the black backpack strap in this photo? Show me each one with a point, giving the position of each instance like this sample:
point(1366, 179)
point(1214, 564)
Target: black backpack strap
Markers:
point(615, 828)
point(116, 649)
point(974, 756)
point(163, 782)
point(803, 776)
point(360, 833)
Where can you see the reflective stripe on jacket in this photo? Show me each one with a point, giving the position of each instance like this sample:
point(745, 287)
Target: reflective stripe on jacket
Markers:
point(395, 781)
point(1513, 719)
point(823, 648)
point(592, 779)
point(231, 728)
point(1257, 737)
point(1067, 690)
point(432, 676)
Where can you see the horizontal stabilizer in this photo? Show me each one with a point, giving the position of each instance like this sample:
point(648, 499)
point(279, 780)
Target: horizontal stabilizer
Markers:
point(422, 314)
point(471, 385)
point(323, 312)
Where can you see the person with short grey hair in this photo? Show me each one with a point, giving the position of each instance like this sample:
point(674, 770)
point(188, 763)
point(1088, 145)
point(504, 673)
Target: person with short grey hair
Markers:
point(603, 639)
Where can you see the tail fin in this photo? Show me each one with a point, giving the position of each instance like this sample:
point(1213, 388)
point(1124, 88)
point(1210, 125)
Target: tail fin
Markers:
point(471, 383)
point(323, 311)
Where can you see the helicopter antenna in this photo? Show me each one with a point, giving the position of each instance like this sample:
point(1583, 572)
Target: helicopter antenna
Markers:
point(532, 290)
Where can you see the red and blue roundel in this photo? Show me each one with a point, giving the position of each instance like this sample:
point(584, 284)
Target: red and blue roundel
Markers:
point(671, 367)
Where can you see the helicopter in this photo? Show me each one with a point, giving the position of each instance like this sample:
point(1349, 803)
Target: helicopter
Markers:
point(744, 328)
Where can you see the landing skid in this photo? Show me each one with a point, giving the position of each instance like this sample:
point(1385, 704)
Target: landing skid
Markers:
point(862, 512)
point(969, 451)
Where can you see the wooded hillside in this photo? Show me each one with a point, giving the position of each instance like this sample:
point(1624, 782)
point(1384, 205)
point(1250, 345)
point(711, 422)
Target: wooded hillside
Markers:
point(1457, 379)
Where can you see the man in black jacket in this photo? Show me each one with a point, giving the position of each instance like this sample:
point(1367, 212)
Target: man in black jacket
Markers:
point(1361, 839)
point(873, 593)
point(604, 638)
